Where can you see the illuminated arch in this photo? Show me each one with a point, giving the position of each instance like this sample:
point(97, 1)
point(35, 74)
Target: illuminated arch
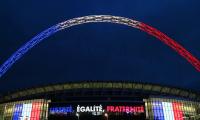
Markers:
point(99, 18)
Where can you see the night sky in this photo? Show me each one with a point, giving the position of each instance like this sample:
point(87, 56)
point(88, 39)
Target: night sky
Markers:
point(99, 51)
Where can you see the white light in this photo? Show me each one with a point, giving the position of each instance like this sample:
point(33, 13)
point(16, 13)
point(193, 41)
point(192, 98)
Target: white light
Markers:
point(106, 114)
point(77, 114)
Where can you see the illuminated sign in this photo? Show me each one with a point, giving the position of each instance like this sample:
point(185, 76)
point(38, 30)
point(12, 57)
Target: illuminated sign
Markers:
point(127, 109)
point(90, 108)
point(95, 110)
point(61, 110)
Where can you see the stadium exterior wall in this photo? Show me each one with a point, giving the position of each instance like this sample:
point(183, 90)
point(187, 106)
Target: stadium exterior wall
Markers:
point(148, 101)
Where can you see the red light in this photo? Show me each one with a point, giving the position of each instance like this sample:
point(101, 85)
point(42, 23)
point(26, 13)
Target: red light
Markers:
point(178, 113)
point(130, 109)
point(35, 113)
point(171, 43)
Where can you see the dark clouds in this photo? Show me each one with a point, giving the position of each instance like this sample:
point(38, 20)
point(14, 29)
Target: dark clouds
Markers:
point(100, 51)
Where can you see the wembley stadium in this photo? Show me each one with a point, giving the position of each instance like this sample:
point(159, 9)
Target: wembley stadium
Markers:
point(100, 100)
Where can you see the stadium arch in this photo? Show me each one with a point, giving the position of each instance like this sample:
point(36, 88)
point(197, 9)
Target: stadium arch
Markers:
point(99, 18)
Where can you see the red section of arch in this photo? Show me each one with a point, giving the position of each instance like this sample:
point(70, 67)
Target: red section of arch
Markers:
point(172, 43)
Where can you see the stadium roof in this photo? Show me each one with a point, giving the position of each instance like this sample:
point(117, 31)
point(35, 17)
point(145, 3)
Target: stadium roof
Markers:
point(151, 88)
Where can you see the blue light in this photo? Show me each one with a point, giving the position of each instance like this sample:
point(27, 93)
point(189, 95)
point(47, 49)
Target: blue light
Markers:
point(26, 47)
point(61, 110)
point(158, 110)
point(17, 112)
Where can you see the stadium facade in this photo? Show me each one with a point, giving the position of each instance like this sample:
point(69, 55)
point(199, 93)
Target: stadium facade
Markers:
point(101, 101)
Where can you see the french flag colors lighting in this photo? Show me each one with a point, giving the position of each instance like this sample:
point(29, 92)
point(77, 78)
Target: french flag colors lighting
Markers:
point(26, 110)
point(167, 110)
point(99, 18)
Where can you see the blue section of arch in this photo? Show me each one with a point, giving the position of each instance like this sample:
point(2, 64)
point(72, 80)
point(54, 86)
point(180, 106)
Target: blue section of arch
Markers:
point(27, 46)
